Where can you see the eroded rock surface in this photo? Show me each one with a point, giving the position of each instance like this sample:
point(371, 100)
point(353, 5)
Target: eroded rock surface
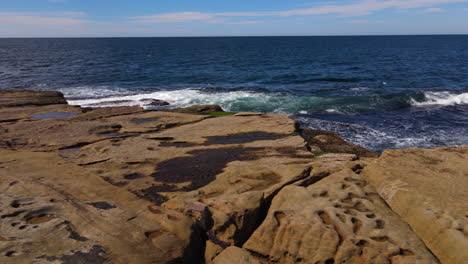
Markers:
point(194, 185)
point(339, 219)
point(11, 98)
point(55, 211)
point(429, 190)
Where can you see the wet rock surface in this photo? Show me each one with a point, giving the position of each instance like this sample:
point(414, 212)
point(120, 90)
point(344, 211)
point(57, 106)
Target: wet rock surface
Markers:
point(131, 185)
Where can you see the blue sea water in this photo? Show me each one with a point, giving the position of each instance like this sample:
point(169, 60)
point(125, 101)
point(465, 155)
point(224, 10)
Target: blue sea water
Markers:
point(377, 91)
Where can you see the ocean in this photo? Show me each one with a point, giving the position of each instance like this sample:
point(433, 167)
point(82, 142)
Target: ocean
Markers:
point(376, 91)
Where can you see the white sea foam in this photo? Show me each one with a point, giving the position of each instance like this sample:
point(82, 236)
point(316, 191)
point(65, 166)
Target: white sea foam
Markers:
point(333, 111)
point(442, 98)
point(93, 92)
point(360, 89)
point(371, 138)
point(230, 100)
point(177, 98)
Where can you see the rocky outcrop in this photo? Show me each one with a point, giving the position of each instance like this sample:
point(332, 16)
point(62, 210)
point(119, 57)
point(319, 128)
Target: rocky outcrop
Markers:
point(11, 98)
point(198, 109)
point(339, 219)
point(428, 189)
point(199, 185)
point(328, 141)
point(54, 211)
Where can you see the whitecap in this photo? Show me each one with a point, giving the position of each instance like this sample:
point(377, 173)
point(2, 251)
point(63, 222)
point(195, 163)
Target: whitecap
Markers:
point(442, 98)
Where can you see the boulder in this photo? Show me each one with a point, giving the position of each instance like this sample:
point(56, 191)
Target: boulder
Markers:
point(428, 189)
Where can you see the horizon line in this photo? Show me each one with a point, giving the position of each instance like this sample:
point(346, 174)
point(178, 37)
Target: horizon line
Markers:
point(247, 36)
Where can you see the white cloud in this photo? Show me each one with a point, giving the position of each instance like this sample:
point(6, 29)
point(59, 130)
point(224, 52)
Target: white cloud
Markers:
point(433, 10)
point(361, 8)
point(247, 22)
point(359, 21)
point(363, 21)
point(175, 17)
point(51, 19)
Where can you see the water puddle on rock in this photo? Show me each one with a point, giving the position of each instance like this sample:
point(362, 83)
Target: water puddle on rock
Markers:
point(242, 138)
point(53, 115)
point(144, 120)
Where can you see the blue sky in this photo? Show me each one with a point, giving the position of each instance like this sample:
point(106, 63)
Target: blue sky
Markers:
point(118, 18)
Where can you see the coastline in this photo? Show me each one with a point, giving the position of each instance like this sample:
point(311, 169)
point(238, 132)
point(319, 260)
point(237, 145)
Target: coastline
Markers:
point(132, 185)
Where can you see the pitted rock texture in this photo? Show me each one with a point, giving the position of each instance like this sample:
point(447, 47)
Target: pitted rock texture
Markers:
point(429, 190)
point(340, 219)
point(55, 211)
point(132, 185)
point(235, 255)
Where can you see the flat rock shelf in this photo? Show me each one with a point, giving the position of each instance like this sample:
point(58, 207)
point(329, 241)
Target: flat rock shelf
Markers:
point(199, 185)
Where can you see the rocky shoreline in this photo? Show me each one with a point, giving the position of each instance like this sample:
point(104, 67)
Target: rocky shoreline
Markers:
point(199, 185)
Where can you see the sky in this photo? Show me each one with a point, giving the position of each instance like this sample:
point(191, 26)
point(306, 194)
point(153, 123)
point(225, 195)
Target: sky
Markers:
point(154, 18)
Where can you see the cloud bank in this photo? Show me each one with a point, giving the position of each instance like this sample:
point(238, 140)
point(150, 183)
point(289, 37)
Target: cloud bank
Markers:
point(360, 8)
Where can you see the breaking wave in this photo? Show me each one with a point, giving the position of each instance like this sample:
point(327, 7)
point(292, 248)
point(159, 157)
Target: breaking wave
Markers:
point(441, 98)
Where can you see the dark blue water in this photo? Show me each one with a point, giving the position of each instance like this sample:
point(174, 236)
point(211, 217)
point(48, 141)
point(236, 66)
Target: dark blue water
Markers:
point(380, 92)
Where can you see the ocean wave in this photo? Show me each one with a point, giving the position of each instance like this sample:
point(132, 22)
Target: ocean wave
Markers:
point(381, 138)
point(79, 93)
point(441, 98)
point(230, 100)
point(238, 100)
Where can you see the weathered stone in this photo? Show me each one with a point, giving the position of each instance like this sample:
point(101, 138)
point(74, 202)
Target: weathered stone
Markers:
point(235, 255)
point(8, 114)
point(87, 128)
point(212, 250)
point(328, 141)
point(129, 185)
point(248, 114)
point(14, 98)
point(428, 189)
point(339, 219)
point(198, 109)
point(225, 164)
point(53, 210)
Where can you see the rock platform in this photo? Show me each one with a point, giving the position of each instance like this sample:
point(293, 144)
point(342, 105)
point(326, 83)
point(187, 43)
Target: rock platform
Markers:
point(199, 185)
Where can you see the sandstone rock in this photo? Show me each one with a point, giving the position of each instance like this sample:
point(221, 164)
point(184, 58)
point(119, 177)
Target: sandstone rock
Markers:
point(129, 185)
point(98, 113)
point(225, 164)
point(329, 141)
point(14, 98)
point(56, 211)
point(339, 219)
point(9, 114)
point(235, 255)
point(248, 114)
point(89, 127)
point(428, 189)
point(198, 109)
point(212, 250)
